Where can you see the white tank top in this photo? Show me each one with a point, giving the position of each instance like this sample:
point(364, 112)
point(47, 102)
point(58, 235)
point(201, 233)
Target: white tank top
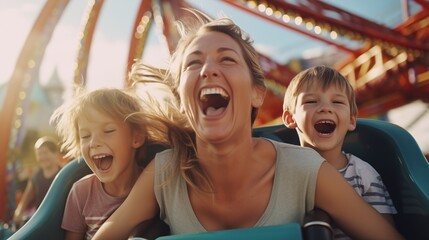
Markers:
point(291, 197)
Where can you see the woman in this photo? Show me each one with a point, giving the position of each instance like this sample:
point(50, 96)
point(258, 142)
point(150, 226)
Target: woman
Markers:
point(222, 178)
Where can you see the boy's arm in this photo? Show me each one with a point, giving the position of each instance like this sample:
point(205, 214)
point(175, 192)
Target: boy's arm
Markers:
point(139, 206)
point(356, 217)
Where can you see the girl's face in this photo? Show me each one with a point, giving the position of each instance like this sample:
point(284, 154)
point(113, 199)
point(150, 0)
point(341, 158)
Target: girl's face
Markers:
point(108, 145)
point(323, 117)
point(216, 89)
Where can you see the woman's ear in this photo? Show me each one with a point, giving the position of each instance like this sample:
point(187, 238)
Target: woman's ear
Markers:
point(288, 119)
point(258, 96)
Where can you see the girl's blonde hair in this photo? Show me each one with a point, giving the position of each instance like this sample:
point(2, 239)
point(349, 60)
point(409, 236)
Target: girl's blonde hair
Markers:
point(118, 104)
point(320, 76)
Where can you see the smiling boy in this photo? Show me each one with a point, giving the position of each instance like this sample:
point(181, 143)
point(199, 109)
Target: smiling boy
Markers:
point(320, 104)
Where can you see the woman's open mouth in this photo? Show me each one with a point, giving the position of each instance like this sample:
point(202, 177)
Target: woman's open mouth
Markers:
point(213, 101)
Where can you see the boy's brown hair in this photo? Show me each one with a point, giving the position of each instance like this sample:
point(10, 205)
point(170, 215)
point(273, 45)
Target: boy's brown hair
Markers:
point(322, 76)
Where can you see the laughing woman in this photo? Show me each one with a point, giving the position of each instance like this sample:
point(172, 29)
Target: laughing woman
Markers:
point(222, 177)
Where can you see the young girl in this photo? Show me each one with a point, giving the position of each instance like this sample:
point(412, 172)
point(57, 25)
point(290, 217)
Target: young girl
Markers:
point(109, 128)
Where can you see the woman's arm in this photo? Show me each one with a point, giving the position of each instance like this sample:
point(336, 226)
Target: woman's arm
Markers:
point(389, 218)
point(28, 195)
point(74, 236)
point(352, 214)
point(139, 206)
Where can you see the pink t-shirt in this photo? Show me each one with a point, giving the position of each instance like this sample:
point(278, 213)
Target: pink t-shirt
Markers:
point(88, 206)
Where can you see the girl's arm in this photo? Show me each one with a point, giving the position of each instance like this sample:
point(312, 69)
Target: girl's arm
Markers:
point(353, 215)
point(139, 206)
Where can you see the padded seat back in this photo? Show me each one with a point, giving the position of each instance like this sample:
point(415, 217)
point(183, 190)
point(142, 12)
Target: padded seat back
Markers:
point(288, 231)
point(394, 153)
point(391, 150)
point(46, 221)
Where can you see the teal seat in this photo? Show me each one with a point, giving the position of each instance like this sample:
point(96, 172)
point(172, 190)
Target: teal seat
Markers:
point(391, 150)
point(288, 231)
point(46, 221)
point(394, 153)
point(5, 233)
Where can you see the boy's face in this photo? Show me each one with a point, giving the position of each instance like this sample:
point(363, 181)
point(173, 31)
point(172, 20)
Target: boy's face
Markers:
point(321, 117)
point(108, 145)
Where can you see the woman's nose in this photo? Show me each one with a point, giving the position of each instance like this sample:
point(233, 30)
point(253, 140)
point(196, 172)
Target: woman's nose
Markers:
point(209, 70)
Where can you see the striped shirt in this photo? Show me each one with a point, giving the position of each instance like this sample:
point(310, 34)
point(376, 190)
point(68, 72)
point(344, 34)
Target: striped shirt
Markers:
point(368, 184)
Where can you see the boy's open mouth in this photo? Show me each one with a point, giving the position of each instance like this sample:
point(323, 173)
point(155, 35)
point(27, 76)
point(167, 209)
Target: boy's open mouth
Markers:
point(213, 101)
point(325, 127)
point(103, 161)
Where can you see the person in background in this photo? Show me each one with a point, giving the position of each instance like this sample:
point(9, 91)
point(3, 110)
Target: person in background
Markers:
point(320, 104)
point(217, 176)
point(47, 156)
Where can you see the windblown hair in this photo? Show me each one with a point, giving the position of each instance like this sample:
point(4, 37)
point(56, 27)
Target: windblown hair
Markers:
point(118, 104)
point(191, 28)
point(182, 137)
point(171, 122)
point(152, 84)
point(320, 76)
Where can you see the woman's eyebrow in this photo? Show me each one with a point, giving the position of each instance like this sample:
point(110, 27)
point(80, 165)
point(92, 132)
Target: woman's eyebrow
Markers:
point(223, 49)
point(196, 52)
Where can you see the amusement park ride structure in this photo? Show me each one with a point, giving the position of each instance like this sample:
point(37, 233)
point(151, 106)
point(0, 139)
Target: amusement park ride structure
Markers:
point(389, 69)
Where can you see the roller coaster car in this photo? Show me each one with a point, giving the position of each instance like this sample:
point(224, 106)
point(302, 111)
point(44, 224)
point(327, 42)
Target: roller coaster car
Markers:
point(391, 150)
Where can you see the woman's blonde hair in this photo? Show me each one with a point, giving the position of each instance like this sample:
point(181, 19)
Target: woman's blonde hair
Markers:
point(184, 145)
point(179, 133)
point(170, 121)
point(191, 28)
